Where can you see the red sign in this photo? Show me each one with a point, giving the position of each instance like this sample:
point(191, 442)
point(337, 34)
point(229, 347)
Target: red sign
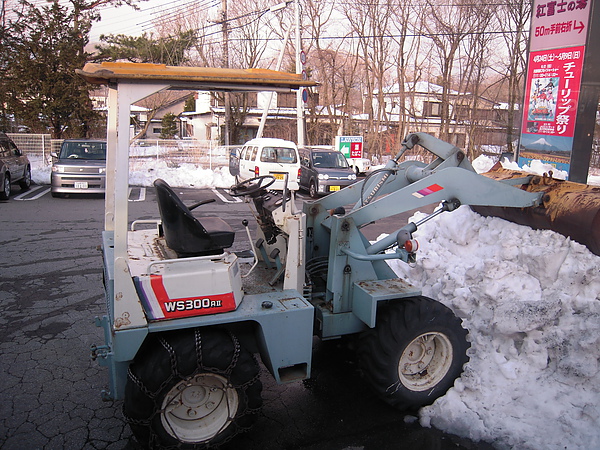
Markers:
point(356, 150)
point(552, 91)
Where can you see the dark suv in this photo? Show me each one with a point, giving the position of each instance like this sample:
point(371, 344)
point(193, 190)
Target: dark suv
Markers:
point(14, 167)
point(323, 171)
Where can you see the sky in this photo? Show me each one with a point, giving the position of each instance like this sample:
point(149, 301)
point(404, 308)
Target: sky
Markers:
point(126, 20)
point(531, 302)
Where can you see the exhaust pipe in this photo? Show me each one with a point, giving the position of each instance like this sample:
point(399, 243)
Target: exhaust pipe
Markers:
point(571, 209)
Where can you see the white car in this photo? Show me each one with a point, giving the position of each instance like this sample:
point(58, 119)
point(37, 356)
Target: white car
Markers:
point(268, 156)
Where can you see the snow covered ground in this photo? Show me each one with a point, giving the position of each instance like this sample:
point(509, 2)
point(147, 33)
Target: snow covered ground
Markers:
point(531, 302)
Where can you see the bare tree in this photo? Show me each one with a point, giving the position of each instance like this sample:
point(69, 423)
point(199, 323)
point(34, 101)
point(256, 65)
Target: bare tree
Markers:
point(370, 23)
point(408, 43)
point(514, 15)
point(337, 72)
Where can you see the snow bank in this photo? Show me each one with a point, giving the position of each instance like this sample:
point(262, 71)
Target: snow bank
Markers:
point(530, 300)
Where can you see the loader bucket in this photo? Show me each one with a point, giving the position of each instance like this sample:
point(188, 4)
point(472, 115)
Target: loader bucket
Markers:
point(571, 209)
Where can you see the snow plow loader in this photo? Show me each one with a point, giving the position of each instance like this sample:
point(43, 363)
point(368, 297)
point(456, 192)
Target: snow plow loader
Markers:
point(187, 317)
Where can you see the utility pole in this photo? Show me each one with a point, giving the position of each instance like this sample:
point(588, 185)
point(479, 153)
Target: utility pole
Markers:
point(225, 63)
point(299, 100)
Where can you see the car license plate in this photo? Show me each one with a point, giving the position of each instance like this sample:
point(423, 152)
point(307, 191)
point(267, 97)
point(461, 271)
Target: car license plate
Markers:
point(81, 185)
point(278, 176)
point(334, 188)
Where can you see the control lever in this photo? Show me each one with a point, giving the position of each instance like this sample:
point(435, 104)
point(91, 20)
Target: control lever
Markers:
point(245, 224)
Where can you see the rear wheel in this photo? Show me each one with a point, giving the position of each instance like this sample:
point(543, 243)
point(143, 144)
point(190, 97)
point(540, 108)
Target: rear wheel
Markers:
point(5, 192)
point(415, 353)
point(312, 190)
point(25, 183)
point(192, 389)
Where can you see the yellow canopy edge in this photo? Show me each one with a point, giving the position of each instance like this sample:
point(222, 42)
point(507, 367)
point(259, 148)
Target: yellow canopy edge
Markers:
point(104, 72)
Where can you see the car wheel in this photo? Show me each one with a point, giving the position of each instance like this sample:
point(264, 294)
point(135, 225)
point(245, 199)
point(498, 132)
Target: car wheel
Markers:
point(357, 171)
point(191, 389)
point(312, 189)
point(415, 352)
point(25, 183)
point(5, 193)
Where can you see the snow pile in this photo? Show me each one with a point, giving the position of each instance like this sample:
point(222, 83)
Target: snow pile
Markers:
point(144, 171)
point(531, 302)
point(179, 175)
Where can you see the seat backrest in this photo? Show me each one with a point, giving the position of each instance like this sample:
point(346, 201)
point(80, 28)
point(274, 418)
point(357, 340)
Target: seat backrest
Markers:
point(183, 232)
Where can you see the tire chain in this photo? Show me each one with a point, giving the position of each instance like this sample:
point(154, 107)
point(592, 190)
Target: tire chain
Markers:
point(154, 442)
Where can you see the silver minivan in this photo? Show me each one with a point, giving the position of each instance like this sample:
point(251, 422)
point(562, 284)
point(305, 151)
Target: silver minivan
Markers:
point(79, 167)
point(268, 156)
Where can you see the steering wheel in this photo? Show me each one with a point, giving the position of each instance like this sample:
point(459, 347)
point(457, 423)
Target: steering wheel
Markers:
point(251, 186)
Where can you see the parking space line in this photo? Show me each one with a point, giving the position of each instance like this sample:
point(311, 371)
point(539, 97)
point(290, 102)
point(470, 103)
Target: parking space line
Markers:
point(141, 197)
point(224, 199)
point(25, 196)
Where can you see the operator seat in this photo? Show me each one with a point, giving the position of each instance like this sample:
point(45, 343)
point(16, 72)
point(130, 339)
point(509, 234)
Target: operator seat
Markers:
point(184, 233)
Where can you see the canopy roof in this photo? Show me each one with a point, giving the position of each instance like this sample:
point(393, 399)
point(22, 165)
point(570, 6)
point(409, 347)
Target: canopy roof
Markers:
point(208, 78)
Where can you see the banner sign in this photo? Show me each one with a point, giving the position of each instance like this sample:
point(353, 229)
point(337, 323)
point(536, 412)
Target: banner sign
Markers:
point(559, 23)
point(553, 83)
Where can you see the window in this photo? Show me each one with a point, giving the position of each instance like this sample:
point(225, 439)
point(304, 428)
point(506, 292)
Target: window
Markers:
point(286, 99)
point(432, 109)
point(279, 155)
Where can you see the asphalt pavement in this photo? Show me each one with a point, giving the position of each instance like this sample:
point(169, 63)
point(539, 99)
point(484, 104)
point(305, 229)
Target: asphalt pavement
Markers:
point(51, 290)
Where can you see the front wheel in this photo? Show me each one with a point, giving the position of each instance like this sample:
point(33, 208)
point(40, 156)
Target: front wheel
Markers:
point(191, 389)
point(5, 191)
point(415, 353)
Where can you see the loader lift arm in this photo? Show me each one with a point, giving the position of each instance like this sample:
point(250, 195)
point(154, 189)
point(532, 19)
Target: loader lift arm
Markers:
point(334, 235)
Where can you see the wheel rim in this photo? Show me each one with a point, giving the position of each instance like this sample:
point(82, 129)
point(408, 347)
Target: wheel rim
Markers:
point(198, 408)
point(425, 361)
point(313, 190)
point(6, 186)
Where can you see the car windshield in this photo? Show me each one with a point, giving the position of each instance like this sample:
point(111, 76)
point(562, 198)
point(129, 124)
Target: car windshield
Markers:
point(83, 150)
point(283, 155)
point(329, 160)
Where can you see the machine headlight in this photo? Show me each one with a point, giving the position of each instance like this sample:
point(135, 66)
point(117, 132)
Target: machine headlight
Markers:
point(59, 169)
point(352, 177)
point(102, 170)
point(323, 176)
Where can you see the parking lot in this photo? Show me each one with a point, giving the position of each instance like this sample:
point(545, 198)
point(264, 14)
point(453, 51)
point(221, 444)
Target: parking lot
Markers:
point(51, 290)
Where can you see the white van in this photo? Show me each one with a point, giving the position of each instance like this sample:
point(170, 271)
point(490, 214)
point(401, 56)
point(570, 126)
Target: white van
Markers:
point(270, 156)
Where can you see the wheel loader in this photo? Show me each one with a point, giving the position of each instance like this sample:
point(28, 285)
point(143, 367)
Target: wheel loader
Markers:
point(188, 318)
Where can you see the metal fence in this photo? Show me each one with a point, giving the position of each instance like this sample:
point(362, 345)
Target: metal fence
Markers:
point(173, 152)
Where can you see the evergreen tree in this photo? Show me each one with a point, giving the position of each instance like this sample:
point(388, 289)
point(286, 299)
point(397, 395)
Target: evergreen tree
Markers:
point(46, 46)
point(169, 50)
point(169, 126)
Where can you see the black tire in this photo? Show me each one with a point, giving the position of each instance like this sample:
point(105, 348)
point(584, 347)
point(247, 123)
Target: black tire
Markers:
point(415, 353)
point(312, 190)
point(6, 188)
point(25, 182)
point(177, 376)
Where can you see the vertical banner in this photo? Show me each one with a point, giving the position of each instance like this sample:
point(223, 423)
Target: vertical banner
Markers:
point(553, 84)
point(550, 107)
